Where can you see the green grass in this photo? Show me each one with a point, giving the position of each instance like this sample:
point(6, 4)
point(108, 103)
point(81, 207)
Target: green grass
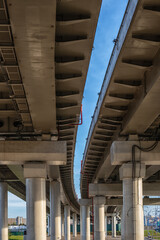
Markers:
point(153, 233)
point(15, 237)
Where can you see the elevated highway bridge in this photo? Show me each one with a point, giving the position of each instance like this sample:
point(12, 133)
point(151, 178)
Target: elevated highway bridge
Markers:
point(123, 139)
point(45, 49)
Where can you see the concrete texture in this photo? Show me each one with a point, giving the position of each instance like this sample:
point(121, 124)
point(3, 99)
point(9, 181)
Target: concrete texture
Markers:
point(52, 152)
point(67, 222)
point(55, 213)
point(114, 226)
point(74, 224)
point(99, 231)
point(85, 220)
point(3, 211)
point(115, 189)
point(36, 208)
point(121, 152)
point(133, 218)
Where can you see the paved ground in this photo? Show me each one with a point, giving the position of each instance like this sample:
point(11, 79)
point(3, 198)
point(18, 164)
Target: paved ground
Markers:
point(108, 238)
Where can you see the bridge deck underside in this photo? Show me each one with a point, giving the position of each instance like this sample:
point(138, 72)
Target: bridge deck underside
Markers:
point(45, 49)
point(129, 98)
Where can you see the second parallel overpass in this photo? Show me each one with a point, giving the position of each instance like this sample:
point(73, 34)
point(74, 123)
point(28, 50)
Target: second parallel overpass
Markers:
point(127, 112)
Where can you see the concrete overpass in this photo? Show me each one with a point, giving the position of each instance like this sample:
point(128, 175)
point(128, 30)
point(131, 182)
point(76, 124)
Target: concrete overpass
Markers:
point(45, 49)
point(125, 125)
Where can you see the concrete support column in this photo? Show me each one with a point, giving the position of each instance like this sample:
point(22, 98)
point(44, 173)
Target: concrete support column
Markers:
point(49, 232)
point(106, 223)
point(99, 230)
point(55, 210)
point(85, 218)
point(67, 232)
point(3, 211)
point(122, 225)
point(133, 218)
point(62, 225)
point(35, 175)
point(113, 226)
point(74, 224)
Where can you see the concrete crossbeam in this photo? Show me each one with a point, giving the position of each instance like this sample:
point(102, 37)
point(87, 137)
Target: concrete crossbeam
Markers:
point(151, 189)
point(119, 201)
point(115, 190)
point(121, 152)
point(151, 170)
point(114, 202)
point(102, 189)
point(20, 152)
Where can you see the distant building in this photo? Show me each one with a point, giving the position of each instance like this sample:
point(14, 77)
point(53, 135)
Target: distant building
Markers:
point(11, 221)
point(17, 221)
point(145, 221)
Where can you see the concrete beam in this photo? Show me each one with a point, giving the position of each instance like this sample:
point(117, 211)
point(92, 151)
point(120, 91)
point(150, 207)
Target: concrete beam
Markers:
point(18, 171)
point(115, 190)
point(98, 189)
point(151, 189)
point(146, 108)
point(151, 201)
point(20, 152)
point(17, 193)
point(121, 152)
point(114, 202)
point(102, 173)
point(151, 170)
point(85, 202)
point(119, 201)
point(110, 214)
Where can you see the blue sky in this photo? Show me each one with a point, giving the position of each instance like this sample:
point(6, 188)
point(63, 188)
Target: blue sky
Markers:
point(110, 18)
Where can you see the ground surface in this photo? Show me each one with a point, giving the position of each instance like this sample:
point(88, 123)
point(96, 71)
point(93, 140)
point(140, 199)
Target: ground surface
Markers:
point(151, 234)
point(16, 238)
point(108, 238)
point(78, 238)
